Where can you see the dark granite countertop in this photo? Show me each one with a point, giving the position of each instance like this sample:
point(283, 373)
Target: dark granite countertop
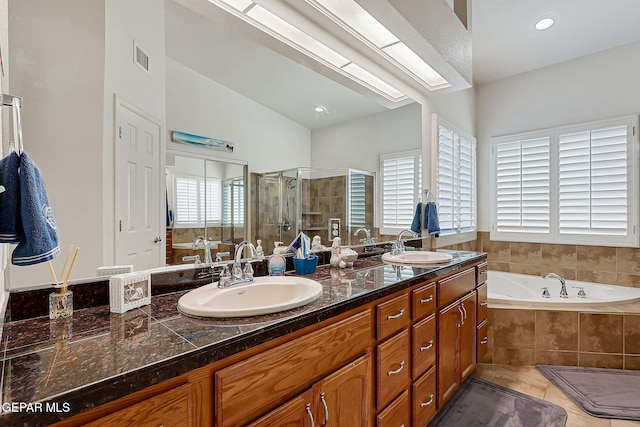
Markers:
point(66, 366)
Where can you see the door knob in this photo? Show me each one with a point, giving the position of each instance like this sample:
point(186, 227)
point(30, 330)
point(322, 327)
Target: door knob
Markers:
point(157, 239)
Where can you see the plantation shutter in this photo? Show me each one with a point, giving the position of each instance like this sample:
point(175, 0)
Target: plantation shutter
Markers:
point(593, 181)
point(186, 201)
point(523, 185)
point(357, 199)
point(401, 182)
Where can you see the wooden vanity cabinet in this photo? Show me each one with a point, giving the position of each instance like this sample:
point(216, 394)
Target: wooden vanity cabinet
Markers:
point(341, 399)
point(456, 345)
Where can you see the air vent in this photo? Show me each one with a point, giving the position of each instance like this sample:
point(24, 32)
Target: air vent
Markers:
point(140, 57)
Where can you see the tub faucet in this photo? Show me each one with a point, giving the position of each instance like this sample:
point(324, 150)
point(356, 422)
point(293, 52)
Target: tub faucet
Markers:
point(563, 289)
point(207, 248)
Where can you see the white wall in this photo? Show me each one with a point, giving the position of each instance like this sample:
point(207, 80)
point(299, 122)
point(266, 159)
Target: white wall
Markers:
point(126, 21)
point(56, 58)
point(262, 137)
point(599, 86)
point(359, 143)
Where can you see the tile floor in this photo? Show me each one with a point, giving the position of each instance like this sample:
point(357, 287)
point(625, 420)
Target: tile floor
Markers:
point(526, 379)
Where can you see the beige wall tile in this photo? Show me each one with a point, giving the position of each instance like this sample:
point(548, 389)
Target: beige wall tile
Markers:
point(556, 330)
point(526, 253)
point(601, 333)
point(597, 276)
point(560, 256)
point(498, 266)
point(499, 252)
point(631, 362)
point(632, 334)
point(512, 329)
point(628, 260)
point(596, 258)
point(564, 358)
point(601, 360)
point(631, 280)
point(531, 269)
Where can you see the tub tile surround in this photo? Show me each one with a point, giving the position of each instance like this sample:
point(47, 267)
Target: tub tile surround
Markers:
point(531, 337)
point(96, 356)
point(598, 264)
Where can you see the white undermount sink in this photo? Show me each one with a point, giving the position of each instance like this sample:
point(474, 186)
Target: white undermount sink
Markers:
point(417, 258)
point(263, 296)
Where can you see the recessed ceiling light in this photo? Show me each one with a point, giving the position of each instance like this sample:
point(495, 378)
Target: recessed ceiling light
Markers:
point(543, 24)
point(319, 109)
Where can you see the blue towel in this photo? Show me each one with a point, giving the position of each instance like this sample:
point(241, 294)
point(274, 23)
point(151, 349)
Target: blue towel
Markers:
point(39, 242)
point(416, 223)
point(10, 223)
point(431, 223)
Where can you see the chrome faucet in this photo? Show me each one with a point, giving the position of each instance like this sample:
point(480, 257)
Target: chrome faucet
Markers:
point(207, 248)
point(367, 239)
point(238, 274)
point(397, 247)
point(563, 289)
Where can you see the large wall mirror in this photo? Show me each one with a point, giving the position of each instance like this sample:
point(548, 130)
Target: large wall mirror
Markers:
point(212, 78)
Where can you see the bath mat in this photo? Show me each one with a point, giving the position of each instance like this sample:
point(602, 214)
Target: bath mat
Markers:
point(605, 393)
point(482, 403)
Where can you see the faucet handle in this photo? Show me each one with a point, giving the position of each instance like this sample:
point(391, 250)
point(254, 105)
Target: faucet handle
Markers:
point(545, 292)
point(236, 271)
point(248, 271)
point(581, 292)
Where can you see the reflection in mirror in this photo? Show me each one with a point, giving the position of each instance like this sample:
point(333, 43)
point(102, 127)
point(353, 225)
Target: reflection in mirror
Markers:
point(205, 198)
point(327, 203)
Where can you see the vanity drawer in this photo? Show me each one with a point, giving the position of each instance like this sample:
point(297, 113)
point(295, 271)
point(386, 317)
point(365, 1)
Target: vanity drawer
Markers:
point(423, 337)
point(393, 315)
point(424, 398)
point(481, 273)
point(424, 300)
point(483, 303)
point(397, 414)
point(394, 368)
point(453, 287)
point(482, 337)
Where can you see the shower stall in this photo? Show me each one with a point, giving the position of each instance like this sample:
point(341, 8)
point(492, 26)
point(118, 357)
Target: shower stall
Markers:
point(319, 202)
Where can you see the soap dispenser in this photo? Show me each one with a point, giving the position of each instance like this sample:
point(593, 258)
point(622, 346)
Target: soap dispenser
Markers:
point(259, 250)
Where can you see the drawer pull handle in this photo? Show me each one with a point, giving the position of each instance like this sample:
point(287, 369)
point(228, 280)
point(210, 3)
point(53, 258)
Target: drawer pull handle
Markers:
point(397, 371)
point(483, 272)
point(427, 347)
point(464, 313)
point(423, 404)
point(326, 409)
point(426, 300)
point(396, 316)
point(484, 340)
point(308, 409)
point(484, 303)
point(461, 317)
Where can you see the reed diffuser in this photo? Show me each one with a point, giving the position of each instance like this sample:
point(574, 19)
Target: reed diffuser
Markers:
point(61, 300)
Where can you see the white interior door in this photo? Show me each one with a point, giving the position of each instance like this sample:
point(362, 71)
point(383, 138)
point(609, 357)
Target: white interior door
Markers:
point(139, 228)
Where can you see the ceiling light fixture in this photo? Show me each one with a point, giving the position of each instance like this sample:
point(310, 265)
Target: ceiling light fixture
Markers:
point(279, 28)
point(357, 21)
point(320, 109)
point(543, 24)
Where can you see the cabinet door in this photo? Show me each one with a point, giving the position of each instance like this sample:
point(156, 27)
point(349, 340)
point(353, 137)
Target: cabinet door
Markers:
point(295, 413)
point(393, 367)
point(467, 337)
point(397, 414)
point(483, 303)
point(172, 408)
point(482, 339)
point(423, 347)
point(344, 398)
point(448, 325)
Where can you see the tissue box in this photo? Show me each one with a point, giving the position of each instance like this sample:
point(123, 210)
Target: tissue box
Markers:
point(305, 265)
point(128, 291)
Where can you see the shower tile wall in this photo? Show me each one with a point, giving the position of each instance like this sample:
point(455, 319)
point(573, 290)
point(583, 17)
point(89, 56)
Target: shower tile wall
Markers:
point(326, 196)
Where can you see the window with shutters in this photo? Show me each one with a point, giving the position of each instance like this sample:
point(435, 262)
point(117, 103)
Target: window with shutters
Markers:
point(357, 199)
point(454, 183)
point(401, 182)
point(197, 199)
point(233, 202)
point(570, 185)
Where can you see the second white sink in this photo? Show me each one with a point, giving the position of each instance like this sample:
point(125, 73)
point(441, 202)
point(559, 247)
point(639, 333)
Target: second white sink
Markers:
point(417, 258)
point(264, 296)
